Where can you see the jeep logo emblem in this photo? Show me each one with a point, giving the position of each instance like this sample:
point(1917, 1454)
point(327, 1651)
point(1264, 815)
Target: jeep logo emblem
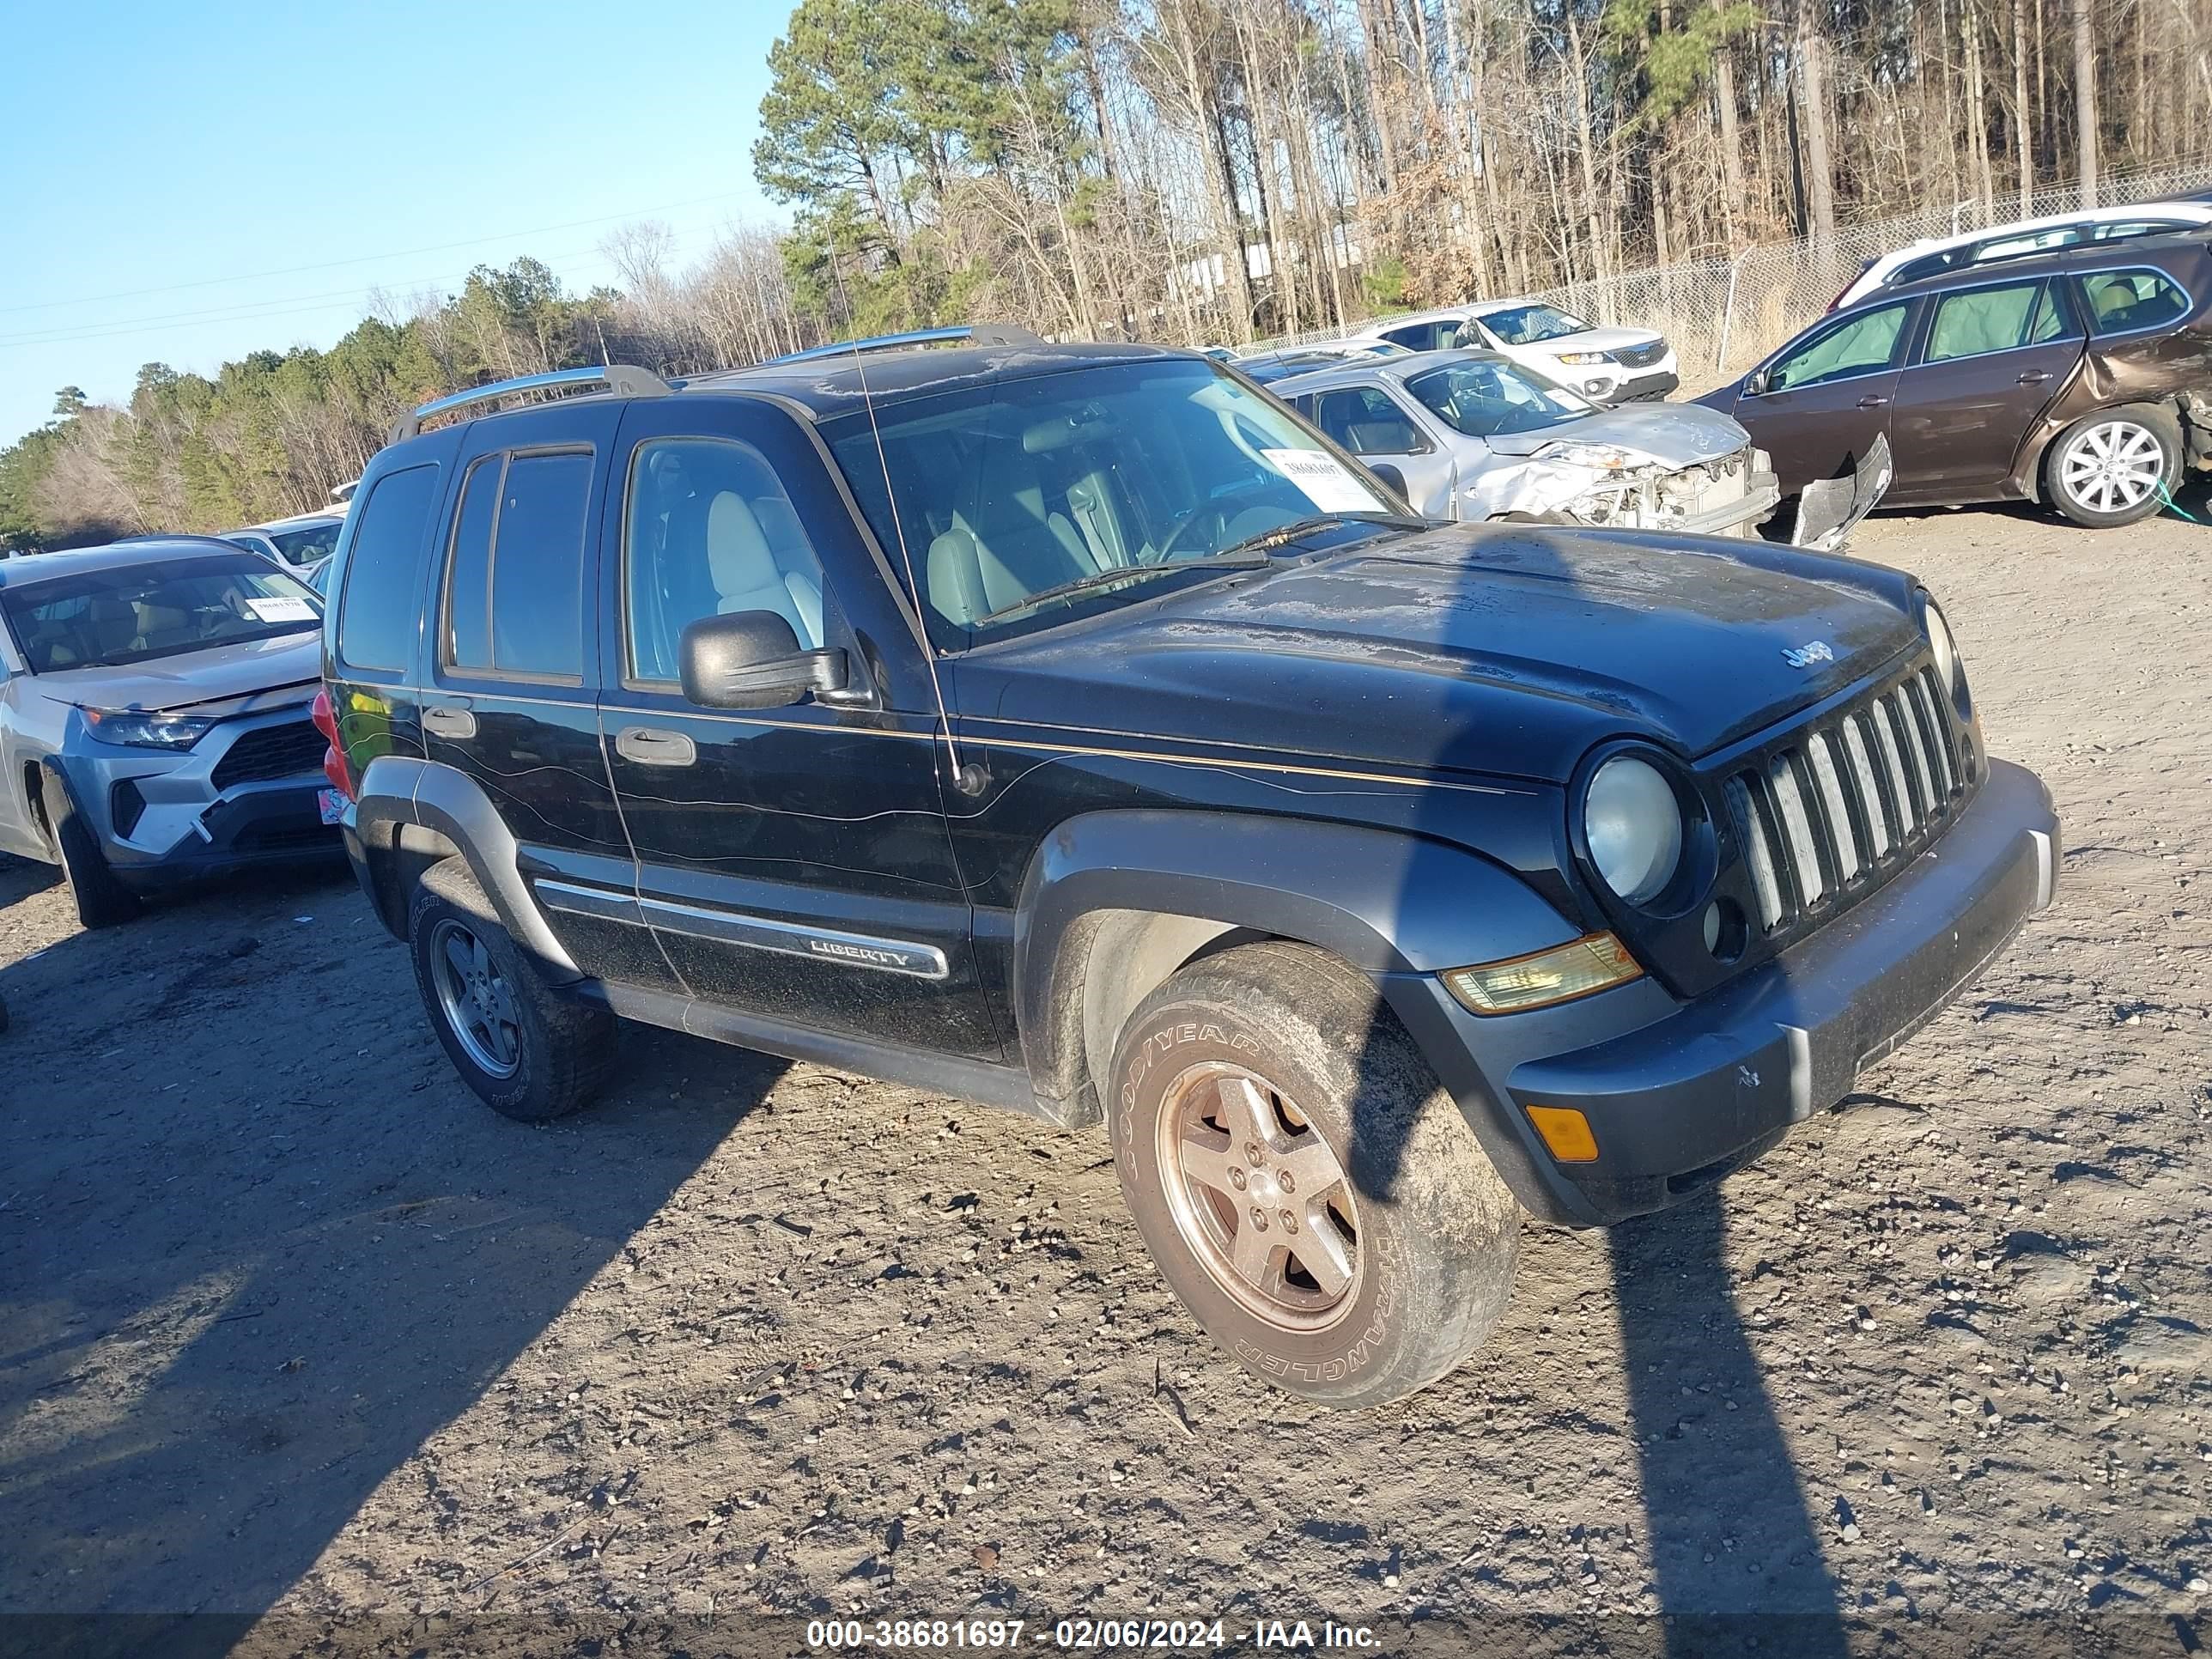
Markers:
point(1806, 656)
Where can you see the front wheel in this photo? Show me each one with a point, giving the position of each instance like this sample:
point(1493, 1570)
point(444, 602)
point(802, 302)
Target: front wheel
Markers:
point(102, 900)
point(1307, 1188)
point(2115, 466)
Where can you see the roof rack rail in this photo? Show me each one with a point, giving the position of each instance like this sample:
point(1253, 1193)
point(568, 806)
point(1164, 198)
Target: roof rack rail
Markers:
point(981, 334)
point(619, 380)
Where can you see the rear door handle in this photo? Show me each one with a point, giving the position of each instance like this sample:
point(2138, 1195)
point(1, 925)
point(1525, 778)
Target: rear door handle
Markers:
point(649, 746)
point(1873, 400)
point(2033, 377)
point(449, 721)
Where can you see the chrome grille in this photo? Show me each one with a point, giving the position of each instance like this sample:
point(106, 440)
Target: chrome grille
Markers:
point(1641, 356)
point(1841, 805)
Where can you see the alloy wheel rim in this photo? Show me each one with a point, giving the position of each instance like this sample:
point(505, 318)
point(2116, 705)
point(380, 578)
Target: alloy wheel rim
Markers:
point(1258, 1197)
point(477, 1002)
point(2113, 465)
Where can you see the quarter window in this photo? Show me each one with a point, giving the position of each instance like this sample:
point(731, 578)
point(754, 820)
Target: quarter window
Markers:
point(382, 598)
point(1365, 421)
point(514, 594)
point(1861, 346)
point(710, 531)
point(2122, 302)
point(1985, 320)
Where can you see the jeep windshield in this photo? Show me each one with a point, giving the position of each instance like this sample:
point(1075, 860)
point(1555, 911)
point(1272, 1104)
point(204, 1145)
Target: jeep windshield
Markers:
point(1026, 502)
point(132, 613)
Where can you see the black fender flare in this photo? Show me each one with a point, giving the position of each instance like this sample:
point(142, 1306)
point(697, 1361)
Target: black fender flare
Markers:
point(1381, 900)
point(399, 789)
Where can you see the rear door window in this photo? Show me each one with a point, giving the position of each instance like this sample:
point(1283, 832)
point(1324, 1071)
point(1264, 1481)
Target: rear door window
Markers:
point(1423, 337)
point(2124, 302)
point(1984, 319)
point(381, 606)
point(514, 587)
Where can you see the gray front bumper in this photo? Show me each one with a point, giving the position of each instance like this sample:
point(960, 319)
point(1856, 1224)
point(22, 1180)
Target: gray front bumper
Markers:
point(1677, 1102)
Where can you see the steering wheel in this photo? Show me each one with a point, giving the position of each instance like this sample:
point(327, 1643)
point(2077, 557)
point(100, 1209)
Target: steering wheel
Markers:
point(1161, 554)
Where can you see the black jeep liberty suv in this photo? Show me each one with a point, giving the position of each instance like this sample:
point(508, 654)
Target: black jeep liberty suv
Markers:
point(1074, 729)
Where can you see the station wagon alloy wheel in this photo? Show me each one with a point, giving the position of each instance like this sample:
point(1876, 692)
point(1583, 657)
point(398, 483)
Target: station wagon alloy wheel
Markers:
point(475, 999)
point(2112, 467)
point(1258, 1197)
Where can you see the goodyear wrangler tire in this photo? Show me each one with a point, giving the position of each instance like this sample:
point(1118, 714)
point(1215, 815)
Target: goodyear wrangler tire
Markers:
point(1307, 1188)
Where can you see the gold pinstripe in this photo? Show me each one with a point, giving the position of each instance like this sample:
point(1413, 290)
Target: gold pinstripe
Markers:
point(1028, 745)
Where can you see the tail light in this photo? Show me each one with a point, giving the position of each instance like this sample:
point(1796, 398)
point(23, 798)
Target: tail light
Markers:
point(324, 715)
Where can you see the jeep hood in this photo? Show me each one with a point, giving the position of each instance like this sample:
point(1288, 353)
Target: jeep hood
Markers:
point(1506, 650)
point(245, 678)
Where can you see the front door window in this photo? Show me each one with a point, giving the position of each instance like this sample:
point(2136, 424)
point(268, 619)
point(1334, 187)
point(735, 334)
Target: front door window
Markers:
point(1864, 344)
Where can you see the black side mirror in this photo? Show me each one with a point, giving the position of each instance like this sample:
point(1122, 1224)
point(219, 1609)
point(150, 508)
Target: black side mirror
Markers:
point(1754, 384)
point(751, 659)
point(1390, 475)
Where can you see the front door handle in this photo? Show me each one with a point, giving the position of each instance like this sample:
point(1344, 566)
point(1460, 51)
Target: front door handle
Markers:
point(1873, 400)
point(447, 720)
point(649, 746)
point(2033, 377)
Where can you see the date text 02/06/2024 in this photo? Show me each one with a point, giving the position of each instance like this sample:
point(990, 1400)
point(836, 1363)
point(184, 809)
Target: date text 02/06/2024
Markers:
point(1082, 1635)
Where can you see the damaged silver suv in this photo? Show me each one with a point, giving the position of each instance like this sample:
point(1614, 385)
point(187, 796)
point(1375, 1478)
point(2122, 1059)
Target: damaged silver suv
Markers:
point(153, 716)
point(1473, 436)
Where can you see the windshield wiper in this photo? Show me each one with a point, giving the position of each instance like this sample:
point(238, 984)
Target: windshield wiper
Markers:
point(1300, 528)
point(1229, 560)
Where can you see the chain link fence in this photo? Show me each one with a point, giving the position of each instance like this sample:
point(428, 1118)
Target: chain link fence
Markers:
point(1722, 316)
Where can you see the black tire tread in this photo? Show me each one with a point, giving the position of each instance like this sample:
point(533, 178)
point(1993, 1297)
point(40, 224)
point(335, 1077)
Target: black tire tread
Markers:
point(1462, 1220)
point(573, 1048)
point(101, 899)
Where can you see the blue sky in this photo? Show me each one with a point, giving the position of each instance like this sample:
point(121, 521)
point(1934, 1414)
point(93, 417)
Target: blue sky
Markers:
point(185, 185)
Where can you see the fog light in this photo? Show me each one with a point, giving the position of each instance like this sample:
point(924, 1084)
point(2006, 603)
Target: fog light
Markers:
point(1596, 962)
point(1725, 932)
point(1566, 1131)
point(125, 805)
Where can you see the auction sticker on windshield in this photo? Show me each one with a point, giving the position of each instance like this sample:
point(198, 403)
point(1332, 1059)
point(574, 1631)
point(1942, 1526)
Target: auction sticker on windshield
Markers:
point(1326, 481)
point(281, 610)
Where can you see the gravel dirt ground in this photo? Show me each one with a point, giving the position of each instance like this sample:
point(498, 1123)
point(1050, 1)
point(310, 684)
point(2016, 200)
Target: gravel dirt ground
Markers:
point(292, 1329)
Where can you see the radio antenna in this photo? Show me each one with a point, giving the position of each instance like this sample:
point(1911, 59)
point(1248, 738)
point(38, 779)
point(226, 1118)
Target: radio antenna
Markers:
point(959, 773)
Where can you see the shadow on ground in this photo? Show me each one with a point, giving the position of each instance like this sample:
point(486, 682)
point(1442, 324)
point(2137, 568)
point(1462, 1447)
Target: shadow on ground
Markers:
point(242, 1282)
point(1735, 1551)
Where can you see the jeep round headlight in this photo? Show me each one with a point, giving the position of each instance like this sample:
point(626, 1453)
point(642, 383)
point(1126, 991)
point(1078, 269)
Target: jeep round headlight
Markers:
point(1948, 669)
point(1633, 824)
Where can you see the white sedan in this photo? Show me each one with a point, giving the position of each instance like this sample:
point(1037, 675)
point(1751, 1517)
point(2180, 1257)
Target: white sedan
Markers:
point(1605, 365)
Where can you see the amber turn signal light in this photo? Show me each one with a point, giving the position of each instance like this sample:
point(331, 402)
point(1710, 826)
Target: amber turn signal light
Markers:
point(1566, 1131)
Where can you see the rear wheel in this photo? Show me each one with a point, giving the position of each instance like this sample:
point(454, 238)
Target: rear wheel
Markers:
point(2115, 466)
point(1307, 1188)
point(528, 1053)
point(102, 900)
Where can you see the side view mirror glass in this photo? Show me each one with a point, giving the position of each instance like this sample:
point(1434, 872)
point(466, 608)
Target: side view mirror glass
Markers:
point(1390, 475)
point(752, 659)
point(1754, 384)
